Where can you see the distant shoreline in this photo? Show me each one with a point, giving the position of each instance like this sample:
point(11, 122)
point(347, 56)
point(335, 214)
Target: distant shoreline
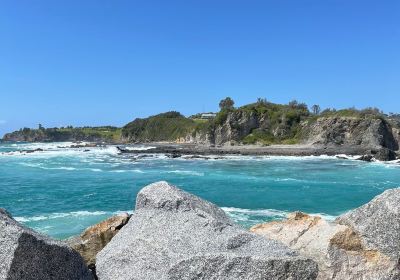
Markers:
point(245, 150)
point(176, 150)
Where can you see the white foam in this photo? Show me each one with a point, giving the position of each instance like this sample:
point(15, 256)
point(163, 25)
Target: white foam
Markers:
point(40, 165)
point(74, 214)
point(60, 215)
point(95, 169)
point(257, 212)
point(139, 148)
point(186, 172)
point(56, 149)
point(288, 180)
point(258, 215)
point(124, 171)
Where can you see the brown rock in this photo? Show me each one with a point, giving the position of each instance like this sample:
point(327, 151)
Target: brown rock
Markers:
point(338, 249)
point(96, 237)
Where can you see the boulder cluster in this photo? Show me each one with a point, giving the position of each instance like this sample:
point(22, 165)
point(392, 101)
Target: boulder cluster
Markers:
point(361, 244)
point(175, 235)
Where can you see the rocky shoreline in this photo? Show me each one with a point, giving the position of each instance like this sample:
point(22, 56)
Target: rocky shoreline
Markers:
point(189, 151)
point(178, 150)
point(175, 235)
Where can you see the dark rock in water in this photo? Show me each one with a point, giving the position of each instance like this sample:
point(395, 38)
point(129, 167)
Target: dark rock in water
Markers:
point(175, 154)
point(121, 150)
point(88, 145)
point(31, 151)
point(367, 158)
point(341, 157)
point(27, 255)
point(385, 154)
point(176, 235)
point(96, 237)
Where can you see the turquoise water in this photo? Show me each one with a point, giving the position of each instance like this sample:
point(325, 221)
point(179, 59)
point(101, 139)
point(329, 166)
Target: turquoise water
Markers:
point(62, 191)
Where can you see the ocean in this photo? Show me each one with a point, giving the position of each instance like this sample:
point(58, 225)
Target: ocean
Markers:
point(60, 191)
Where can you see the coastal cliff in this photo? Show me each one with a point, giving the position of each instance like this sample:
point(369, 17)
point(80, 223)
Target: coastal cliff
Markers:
point(368, 131)
point(351, 131)
point(269, 124)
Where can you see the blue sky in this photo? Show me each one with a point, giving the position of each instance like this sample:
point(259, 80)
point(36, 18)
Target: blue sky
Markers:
point(107, 62)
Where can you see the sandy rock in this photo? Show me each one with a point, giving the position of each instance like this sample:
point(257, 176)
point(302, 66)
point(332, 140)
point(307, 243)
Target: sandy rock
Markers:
point(96, 237)
point(362, 244)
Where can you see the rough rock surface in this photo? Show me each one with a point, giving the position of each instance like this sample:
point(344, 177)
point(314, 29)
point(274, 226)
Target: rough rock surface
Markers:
point(237, 126)
point(362, 244)
point(371, 133)
point(385, 154)
point(176, 235)
point(27, 255)
point(96, 237)
point(378, 223)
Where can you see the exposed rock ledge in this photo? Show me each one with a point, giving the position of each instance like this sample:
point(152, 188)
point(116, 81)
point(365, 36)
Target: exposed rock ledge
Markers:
point(361, 244)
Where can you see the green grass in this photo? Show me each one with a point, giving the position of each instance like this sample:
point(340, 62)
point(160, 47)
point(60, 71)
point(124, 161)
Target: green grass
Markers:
point(168, 126)
point(372, 113)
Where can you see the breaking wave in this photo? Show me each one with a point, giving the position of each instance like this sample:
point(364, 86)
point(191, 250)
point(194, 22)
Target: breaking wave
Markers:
point(250, 217)
point(76, 214)
point(186, 172)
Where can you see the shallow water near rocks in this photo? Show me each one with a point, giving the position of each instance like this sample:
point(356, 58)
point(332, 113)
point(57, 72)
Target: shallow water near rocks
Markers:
point(61, 191)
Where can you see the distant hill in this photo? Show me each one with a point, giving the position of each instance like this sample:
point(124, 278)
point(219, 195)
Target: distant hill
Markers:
point(94, 134)
point(168, 126)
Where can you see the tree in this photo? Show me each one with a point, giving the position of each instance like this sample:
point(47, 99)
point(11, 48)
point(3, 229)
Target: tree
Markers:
point(316, 109)
point(262, 101)
point(293, 104)
point(226, 103)
point(41, 127)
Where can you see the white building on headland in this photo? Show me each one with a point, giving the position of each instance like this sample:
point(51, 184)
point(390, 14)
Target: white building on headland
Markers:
point(206, 116)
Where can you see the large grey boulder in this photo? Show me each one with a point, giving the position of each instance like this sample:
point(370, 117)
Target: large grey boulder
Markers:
point(378, 223)
point(176, 235)
point(27, 255)
point(361, 244)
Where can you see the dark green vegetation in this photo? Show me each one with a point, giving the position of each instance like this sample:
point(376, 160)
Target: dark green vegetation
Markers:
point(268, 123)
point(97, 134)
point(168, 126)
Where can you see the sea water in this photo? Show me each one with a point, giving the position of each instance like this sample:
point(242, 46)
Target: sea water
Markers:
point(61, 191)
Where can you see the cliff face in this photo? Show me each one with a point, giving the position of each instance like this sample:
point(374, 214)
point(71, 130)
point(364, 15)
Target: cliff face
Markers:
point(371, 133)
point(252, 125)
point(233, 129)
point(239, 126)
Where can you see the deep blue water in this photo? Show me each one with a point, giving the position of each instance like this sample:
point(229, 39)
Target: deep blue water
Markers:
point(62, 191)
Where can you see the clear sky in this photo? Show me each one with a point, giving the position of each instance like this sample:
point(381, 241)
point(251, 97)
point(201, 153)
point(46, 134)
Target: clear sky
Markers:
point(77, 62)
